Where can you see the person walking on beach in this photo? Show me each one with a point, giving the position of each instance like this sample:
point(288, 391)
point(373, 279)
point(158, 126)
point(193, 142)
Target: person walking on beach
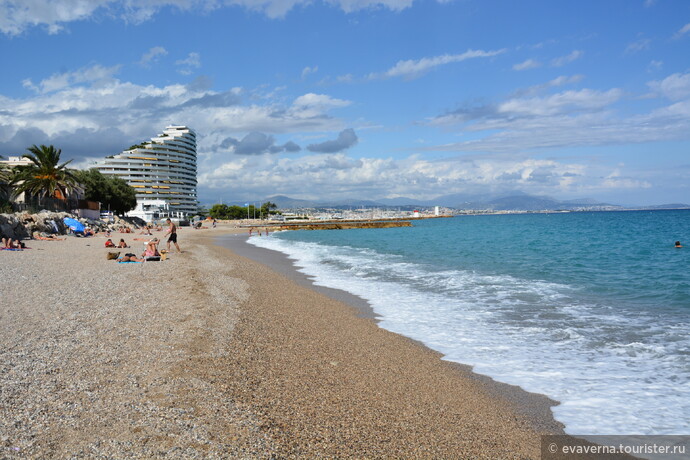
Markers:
point(172, 230)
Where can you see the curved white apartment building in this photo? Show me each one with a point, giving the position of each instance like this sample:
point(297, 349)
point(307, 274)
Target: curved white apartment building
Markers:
point(162, 171)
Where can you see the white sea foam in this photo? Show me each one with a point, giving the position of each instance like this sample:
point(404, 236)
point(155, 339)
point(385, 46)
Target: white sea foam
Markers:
point(612, 373)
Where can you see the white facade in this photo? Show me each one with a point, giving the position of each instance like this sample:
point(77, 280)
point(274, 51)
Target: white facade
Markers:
point(162, 171)
point(150, 210)
point(17, 161)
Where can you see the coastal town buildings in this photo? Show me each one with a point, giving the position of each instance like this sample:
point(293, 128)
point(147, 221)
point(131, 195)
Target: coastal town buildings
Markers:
point(162, 171)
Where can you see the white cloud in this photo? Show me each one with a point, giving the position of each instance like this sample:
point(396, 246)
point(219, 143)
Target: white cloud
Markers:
point(101, 115)
point(616, 180)
point(309, 70)
point(350, 6)
point(562, 80)
point(673, 87)
point(332, 176)
point(311, 104)
point(17, 16)
point(575, 118)
point(655, 65)
point(683, 31)
point(414, 68)
point(563, 60)
point(192, 60)
point(526, 65)
point(152, 55)
point(60, 81)
point(567, 101)
point(186, 66)
point(637, 46)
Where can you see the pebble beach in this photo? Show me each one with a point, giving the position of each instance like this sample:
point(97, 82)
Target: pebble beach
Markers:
point(209, 354)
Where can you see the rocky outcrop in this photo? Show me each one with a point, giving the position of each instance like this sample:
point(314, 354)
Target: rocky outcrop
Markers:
point(22, 225)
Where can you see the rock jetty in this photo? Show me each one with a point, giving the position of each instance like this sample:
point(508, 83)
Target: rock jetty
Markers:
point(22, 225)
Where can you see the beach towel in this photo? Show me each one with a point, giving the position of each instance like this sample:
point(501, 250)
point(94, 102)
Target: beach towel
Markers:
point(128, 262)
point(153, 258)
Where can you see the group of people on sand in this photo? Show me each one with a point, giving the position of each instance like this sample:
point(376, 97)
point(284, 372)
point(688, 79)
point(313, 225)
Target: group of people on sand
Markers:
point(150, 251)
point(151, 247)
point(122, 244)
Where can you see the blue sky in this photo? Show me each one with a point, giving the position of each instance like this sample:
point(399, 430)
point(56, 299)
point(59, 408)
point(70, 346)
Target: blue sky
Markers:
point(362, 98)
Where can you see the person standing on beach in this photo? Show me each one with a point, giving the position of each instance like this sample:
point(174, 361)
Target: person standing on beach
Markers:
point(172, 230)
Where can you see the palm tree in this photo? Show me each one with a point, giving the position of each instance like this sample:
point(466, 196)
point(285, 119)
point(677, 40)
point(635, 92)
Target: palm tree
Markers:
point(5, 188)
point(45, 176)
point(3, 169)
point(4, 179)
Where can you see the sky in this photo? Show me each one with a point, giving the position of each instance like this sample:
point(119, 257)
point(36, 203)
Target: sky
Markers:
point(364, 99)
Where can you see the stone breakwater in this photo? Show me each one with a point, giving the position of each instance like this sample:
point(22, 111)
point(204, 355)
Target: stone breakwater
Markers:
point(22, 225)
point(345, 225)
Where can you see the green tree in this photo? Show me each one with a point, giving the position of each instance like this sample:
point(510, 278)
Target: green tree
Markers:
point(4, 179)
point(218, 211)
point(5, 188)
point(113, 193)
point(268, 208)
point(46, 176)
point(3, 170)
point(223, 211)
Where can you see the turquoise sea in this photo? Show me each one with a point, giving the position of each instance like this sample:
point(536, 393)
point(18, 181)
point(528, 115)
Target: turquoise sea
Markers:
point(590, 309)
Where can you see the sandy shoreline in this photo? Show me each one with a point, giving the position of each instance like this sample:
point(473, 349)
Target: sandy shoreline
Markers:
point(211, 354)
point(535, 406)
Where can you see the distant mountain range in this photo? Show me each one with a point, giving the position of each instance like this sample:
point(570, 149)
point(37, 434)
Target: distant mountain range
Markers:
point(514, 201)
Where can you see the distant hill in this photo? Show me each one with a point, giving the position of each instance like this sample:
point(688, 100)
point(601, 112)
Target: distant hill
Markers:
point(403, 201)
point(666, 206)
point(536, 203)
point(286, 202)
point(511, 201)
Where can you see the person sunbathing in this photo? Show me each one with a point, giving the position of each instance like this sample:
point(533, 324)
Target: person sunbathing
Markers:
point(46, 236)
point(109, 243)
point(9, 243)
point(130, 258)
point(122, 244)
point(152, 249)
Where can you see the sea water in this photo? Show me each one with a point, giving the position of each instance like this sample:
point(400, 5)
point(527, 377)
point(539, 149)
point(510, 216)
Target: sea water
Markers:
point(590, 309)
